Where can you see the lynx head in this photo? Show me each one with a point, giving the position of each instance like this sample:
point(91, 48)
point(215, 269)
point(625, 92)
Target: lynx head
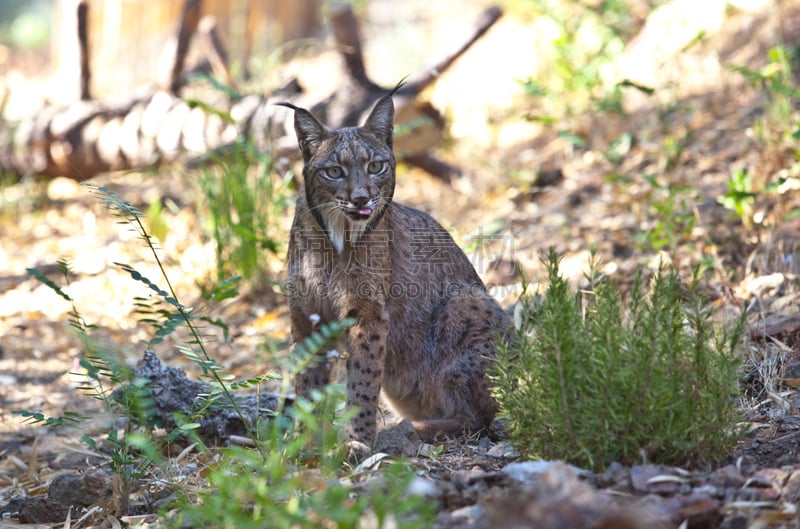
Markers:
point(348, 173)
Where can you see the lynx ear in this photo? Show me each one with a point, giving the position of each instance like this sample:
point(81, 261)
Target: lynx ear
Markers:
point(381, 120)
point(310, 132)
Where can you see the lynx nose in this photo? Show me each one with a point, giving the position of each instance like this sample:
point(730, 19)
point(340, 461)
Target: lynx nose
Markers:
point(359, 197)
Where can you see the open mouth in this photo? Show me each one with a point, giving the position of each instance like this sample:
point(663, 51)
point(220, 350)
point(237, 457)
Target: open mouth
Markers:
point(360, 213)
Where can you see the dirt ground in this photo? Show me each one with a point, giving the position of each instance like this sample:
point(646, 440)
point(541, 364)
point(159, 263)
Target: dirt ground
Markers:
point(529, 188)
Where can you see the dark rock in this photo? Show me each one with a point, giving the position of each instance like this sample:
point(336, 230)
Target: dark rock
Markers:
point(736, 522)
point(399, 439)
point(549, 177)
point(66, 489)
point(40, 509)
point(616, 476)
point(12, 508)
point(174, 394)
point(727, 477)
point(698, 510)
point(81, 490)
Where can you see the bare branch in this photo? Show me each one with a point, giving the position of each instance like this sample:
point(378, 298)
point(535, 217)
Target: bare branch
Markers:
point(83, 45)
point(428, 75)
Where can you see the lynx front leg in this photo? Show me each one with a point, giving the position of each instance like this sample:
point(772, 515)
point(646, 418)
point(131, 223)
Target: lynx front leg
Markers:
point(367, 349)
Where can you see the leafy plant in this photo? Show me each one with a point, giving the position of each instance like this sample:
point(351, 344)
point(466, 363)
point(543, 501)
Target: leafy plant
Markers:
point(245, 206)
point(780, 121)
point(777, 128)
point(740, 196)
point(246, 491)
point(670, 214)
point(102, 372)
point(295, 479)
point(109, 380)
point(585, 39)
point(594, 380)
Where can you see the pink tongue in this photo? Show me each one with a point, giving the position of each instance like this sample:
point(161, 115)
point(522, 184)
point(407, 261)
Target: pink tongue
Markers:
point(364, 211)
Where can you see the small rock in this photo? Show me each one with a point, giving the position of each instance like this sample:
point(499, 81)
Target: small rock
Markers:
point(81, 490)
point(735, 522)
point(420, 486)
point(769, 477)
point(66, 490)
point(549, 176)
point(654, 479)
point(615, 476)
point(527, 471)
point(698, 510)
point(791, 490)
point(503, 449)
point(709, 489)
point(40, 509)
point(12, 508)
point(399, 439)
point(759, 494)
point(727, 477)
point(469, 515)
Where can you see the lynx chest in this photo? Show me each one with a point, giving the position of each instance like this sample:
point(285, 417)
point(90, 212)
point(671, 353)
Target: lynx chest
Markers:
point(325, 281)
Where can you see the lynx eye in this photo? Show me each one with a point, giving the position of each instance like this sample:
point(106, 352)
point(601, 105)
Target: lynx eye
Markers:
point(375, 167)
point(333, 172)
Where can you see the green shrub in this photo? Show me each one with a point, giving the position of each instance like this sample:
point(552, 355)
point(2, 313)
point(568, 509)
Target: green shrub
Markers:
point(669, 214)
point(593, 380)
point(276, 488)
point(779, 123)
point(245, 205)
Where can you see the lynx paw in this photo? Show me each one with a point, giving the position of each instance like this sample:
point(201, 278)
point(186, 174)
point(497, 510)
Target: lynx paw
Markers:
point(357, 451)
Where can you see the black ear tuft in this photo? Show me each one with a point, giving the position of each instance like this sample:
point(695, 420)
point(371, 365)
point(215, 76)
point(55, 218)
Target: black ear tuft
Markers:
point(310, 132)
point(381, 120)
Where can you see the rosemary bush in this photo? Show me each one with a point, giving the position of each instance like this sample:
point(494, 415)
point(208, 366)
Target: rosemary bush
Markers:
point(594, 380)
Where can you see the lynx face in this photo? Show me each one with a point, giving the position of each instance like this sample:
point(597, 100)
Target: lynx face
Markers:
point(349, 173)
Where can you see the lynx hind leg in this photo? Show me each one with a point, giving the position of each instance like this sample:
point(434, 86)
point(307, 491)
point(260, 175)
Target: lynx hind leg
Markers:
point(464, 393)
point(435, 430)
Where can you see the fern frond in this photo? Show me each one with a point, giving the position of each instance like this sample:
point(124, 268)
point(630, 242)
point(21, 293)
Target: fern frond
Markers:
point(137, 276)
point(48, 282)
point(69, 418)
point(305, 353)
point(118, 205)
